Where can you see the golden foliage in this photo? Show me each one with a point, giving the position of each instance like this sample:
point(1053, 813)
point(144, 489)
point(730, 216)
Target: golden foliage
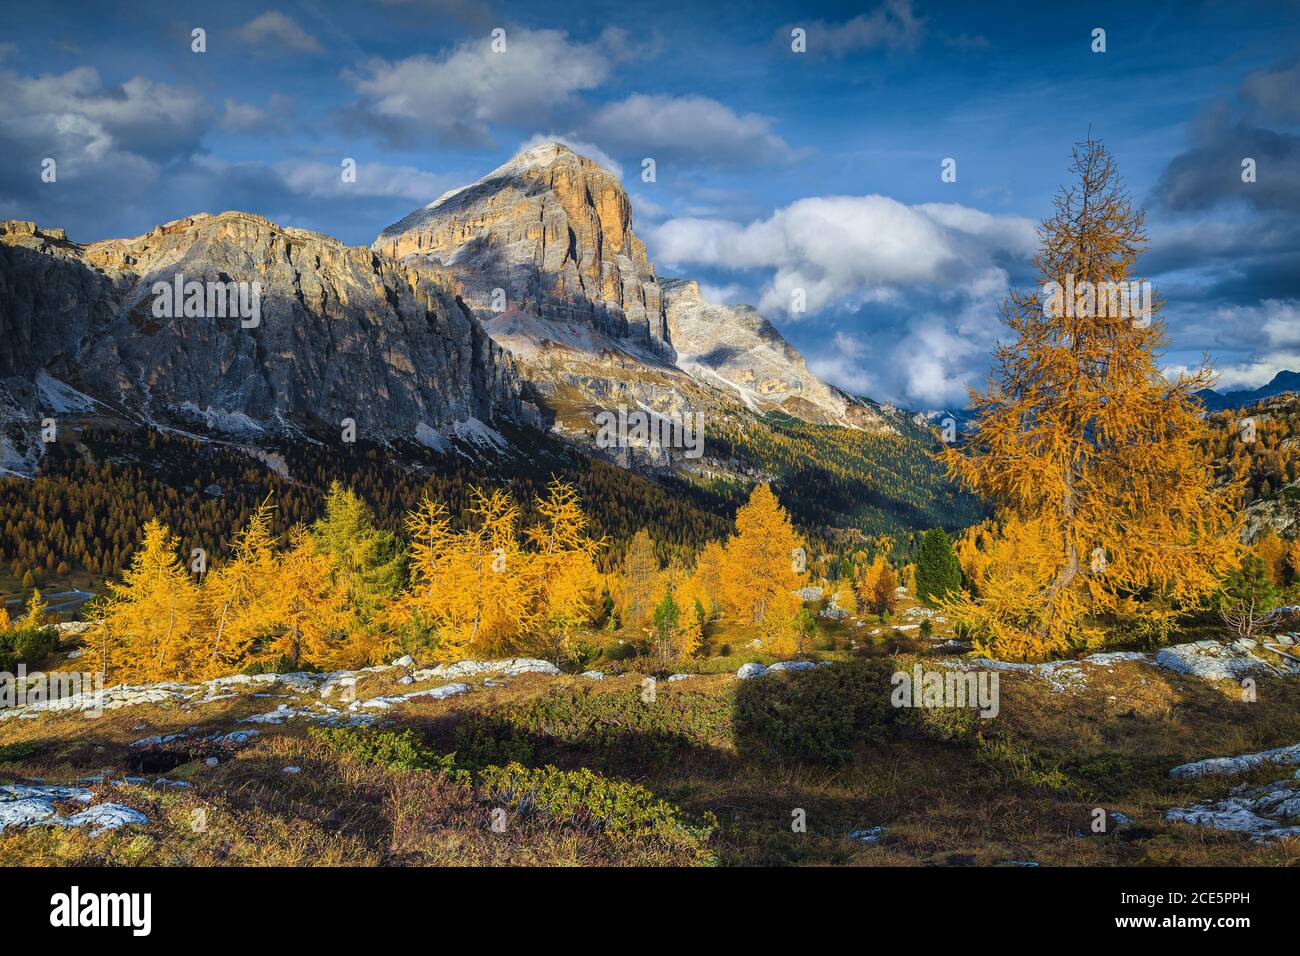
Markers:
point(1272, 550)
point(1095, 460)
point(764, 559)
point(150, 628)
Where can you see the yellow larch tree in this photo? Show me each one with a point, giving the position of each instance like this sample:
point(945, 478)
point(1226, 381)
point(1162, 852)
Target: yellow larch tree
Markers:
point(641, 585)
point(1272, 551)
point(765, 558)
point(708, 575)
point(469, 587)
point(690, 628)
point(37, 610)
point(241, 597)
point(151, 626)
point(311, 610)
point(564, 580)
point(1094, 458)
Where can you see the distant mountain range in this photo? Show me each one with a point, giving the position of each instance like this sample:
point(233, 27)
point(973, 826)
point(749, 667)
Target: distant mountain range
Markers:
point(524, 299)
point(1282, 383)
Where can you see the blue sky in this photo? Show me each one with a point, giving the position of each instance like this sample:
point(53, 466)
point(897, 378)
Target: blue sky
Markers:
point(775, 170)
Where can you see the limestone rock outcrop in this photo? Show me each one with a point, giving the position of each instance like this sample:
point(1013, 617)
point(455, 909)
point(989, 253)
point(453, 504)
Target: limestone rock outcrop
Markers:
point(553, 230)
point(341, 332)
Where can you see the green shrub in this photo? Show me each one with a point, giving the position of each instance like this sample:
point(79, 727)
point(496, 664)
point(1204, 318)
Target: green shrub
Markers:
point(284, 664)
point(579, 798)
point(620, 652)
point(491, 739)
point(621, 727)
point(583, 799)
point(27, 645)
point(396, 751)
point(11, 753)
point(818, 716)
point(944, 723)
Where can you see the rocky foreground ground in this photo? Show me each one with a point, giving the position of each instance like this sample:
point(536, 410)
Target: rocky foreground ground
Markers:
point(1186, 755)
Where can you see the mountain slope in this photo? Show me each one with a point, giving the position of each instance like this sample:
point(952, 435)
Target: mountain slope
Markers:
point(582, 310)
point(735, 348)
point(342, 333)
point(1282, 383)
point(553, 230)
point(415, 351)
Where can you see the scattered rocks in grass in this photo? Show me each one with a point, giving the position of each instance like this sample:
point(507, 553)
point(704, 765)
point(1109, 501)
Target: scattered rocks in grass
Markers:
point(1063, 676)
point(751, 670)
point(278, 716)
point(1260, 812)
point(593, 675)
point(24, 805)
point(437, 693)
point(102, 818)
point(920, 612)
point(507, 668)
point(870, 836)
point(1211, 660)
point(24, 812)
point(1231, 766)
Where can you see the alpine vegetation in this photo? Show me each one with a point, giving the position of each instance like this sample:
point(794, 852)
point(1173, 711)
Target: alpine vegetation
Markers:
point(638, 435)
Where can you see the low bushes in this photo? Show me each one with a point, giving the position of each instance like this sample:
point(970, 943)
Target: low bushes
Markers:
point(585, 799)
point(580, 798)
point(27, 645)
point(819, 715)
point(396, 751)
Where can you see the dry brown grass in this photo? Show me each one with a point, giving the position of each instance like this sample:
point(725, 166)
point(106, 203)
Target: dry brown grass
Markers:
point(1029, 795)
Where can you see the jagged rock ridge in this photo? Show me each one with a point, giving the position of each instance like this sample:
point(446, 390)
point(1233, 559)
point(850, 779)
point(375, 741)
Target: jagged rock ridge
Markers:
point(343, 333)
point(553, 230)
point(583, 310)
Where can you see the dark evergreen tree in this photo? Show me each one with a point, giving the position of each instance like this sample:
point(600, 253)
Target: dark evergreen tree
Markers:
point(938, 574)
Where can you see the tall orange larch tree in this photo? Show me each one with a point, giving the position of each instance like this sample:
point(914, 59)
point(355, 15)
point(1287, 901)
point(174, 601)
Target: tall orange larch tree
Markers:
point(1095, 459)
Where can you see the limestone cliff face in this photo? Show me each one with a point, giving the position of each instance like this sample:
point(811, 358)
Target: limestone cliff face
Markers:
point(583, 311)
point(554, 231)
point(343, 332)
point(734, 348)
point(739, 349)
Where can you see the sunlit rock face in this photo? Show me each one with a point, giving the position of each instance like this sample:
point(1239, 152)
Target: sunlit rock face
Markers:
point(340, 332)
point(735, 348)
point(553, 231)
point(543, 249)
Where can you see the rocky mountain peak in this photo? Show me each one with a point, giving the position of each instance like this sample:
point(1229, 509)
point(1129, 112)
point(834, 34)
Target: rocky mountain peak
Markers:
point(552, 230)
point(340, 333)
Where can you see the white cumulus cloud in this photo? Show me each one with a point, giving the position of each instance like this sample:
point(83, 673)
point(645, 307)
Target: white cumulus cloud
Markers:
point(849, 250)
point(456, 95)
point(694, 129)
point(275, 30)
